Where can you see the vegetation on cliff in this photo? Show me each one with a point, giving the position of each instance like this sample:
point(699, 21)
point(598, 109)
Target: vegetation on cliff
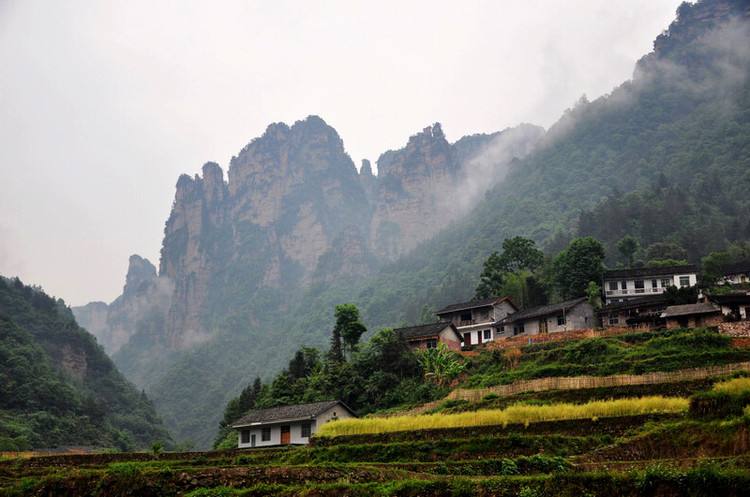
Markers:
point(57, 386)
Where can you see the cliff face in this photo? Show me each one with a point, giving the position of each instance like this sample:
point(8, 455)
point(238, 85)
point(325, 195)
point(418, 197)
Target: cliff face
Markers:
point(428, 184)
point(145, 297)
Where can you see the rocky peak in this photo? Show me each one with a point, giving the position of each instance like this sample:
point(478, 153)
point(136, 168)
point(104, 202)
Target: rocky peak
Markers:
point(426, 154)
point(141, 273)
point(366, 169)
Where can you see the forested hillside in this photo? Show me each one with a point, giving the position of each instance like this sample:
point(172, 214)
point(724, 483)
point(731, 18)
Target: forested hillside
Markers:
point(664, 157)
point(57, 386)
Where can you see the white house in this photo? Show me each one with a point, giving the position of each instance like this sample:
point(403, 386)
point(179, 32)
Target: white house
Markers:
point(287, 425)
point(621, 285)
point(570, 315)
point(735, 274)
point(475, 320)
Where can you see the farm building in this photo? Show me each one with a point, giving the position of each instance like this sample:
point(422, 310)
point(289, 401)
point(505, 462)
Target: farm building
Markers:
point(287, 425)
point(692, 315)
point(570, 315)
point(428, 336)
point(475, 320)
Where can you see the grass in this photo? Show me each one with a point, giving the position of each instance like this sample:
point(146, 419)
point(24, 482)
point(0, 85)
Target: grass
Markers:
point(634, 353)
point(515, 414)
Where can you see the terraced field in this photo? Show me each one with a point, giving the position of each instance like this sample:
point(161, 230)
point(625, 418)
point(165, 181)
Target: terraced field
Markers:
point(665, 455)
point(686, 438)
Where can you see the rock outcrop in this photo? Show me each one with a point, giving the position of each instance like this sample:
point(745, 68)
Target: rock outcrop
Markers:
point(145, 298)
point(294, 211)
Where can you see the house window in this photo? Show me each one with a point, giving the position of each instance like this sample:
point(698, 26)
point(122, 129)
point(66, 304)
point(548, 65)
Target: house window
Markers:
point(432, 343)
point(561, 320)
point(466, 316)
point(684, 281)
point(487, 334)
point(245, 436)
point(306, 430)
point(265, 435)
point(624, 285)
point(613, 285)
point(518, 329)
point(654, 284)
point(640, 286)
point(614, 319)
point(666, 283)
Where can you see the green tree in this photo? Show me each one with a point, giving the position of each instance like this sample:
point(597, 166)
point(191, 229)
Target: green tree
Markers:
point(441, 365)
point(628, 246)
point(508, 273)
point(492, 278)
point(348, 325)
point(665, 250)
point(576, 266)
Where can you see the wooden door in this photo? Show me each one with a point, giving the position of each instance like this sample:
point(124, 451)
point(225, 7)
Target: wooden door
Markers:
point(543, 325)
point(467, 338)
point(285, 435)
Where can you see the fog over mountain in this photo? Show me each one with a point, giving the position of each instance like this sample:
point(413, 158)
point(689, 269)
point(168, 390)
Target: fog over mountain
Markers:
point(104, 105)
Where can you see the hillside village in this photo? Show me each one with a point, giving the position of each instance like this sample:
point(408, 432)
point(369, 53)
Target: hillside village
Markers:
point(635, 298)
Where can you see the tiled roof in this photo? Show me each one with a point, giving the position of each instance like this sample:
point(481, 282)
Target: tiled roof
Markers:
point(731, 298)
point(736, 268)
point(543, 310)
point(649, 271)
point(690, 309)
point(473, 304)
point(425, 330)
point(287, 413)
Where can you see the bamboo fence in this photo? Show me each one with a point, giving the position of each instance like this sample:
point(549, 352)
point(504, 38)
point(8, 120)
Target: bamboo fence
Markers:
point(585, 382)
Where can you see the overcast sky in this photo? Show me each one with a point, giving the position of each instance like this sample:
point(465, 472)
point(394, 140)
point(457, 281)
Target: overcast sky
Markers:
point(104, 103)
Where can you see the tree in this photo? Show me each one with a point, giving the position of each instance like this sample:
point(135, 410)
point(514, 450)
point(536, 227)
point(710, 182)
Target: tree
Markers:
point(519, 259)
point(348, 326)
point(576, 266)
point(492, 277)
point(520, 253)
point(249, 395)
point(594, 294)
point(665, 251)
point(441, 365)
point(628, 246)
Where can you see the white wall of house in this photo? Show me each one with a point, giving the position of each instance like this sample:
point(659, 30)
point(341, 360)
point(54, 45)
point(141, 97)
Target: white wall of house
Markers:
point(735, 279)
point(295, 434)
point(619, 288)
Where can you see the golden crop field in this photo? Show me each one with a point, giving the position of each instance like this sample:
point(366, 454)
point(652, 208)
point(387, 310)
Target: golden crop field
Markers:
point(515, 414)
point(735, 386)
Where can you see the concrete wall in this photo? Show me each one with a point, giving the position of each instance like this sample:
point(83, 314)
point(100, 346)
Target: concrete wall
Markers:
point(450, 339)
point(582, 316)
point(695, 321)
point(296, 438)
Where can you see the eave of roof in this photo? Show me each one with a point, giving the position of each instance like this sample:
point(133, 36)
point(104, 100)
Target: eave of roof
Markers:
point(542, 310)
point(690, 310)
point(475, 304)
point(290, 413)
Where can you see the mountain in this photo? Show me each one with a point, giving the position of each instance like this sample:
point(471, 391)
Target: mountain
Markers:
point(57, 386)
point(293, 214)
point(669, 148)
point(259, 261)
